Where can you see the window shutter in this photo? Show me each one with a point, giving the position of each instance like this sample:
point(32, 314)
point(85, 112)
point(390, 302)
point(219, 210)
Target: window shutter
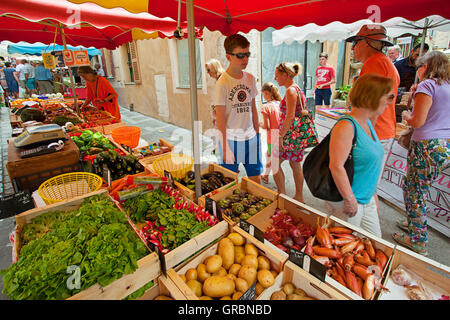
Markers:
point(135, 63)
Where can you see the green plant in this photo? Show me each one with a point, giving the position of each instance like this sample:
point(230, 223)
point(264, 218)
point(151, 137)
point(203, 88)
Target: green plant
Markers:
point(342, 92)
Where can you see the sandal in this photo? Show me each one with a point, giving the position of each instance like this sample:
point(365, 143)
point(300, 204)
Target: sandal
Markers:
point(401, 225)
point(404, 240)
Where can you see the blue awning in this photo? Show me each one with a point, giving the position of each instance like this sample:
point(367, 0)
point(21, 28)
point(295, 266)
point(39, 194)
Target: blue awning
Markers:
point(37, 49)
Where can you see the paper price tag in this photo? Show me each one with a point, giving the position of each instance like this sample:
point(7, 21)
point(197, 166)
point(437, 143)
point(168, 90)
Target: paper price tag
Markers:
point(211, 207)
point(250, 293)
point(308, 264)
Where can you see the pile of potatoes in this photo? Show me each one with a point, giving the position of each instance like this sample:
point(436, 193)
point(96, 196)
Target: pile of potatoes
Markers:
point(290, 292)
point(163, 297)
point(229, 273)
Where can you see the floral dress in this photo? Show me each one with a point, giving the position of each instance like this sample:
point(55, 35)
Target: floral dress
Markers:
point(292, 152)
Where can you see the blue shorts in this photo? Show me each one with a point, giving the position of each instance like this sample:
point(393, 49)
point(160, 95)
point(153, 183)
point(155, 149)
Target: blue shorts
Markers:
point(322, 95)
point(246, 152)
point(31, 84)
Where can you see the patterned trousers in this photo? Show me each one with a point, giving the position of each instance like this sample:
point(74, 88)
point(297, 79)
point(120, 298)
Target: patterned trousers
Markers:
point(426, 160)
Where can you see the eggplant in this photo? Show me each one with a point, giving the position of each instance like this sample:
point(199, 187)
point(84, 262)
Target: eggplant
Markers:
point(207, 175)
point(218, 174)
point(227, 180)
point(190, 175)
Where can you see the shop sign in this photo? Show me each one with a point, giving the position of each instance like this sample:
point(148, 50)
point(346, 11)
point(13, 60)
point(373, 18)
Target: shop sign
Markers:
point(59, 59)
point(69, 59)
point(49, 61)
point(81, 58)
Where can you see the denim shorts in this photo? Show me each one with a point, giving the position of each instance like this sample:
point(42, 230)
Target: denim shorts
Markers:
point(323, 95)
point(246, 152)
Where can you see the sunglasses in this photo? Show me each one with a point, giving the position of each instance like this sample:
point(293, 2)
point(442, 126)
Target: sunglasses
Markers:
point(354, 42)
point(240, 55)
point(283, 68)
point(391, 96)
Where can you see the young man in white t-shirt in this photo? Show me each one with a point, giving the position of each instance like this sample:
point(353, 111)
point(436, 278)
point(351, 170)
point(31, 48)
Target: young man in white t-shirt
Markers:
point(236, 114)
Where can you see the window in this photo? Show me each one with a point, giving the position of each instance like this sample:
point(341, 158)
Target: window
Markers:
point(133, 63)
point(183, 63)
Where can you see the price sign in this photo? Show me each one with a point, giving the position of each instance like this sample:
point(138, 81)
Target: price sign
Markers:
point(169, 177)
point(252, 230)
point(81, 58)
point(308, 264)
point(49, 61)
point(69, 58)
point(211, 207)
point(162, 258)
point(15, 204)
point(59, 59)
point(106, 174)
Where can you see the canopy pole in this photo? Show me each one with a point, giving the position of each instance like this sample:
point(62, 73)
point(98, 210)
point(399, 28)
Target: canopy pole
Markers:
point(422, 44)
point(63, 36)
point(193, 96)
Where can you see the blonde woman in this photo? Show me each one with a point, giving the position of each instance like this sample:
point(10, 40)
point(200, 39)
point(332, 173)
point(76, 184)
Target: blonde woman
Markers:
point(271, 119)
point(293, 105)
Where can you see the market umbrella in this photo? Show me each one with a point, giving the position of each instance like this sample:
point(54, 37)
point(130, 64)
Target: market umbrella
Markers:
point(231, 16)
point(87, 25)
point(36, 49)
point(338, 31)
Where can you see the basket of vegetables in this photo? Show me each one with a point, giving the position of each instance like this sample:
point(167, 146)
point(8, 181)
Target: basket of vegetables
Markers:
point(92, 143)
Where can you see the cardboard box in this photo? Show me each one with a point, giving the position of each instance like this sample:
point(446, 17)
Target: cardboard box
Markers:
point(434, 276)
point(148, 266)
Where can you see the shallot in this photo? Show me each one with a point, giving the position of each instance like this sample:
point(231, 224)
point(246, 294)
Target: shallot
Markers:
point(401, 277)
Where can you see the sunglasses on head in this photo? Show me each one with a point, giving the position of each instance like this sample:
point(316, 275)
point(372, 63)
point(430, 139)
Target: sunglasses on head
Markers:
point(240, 55)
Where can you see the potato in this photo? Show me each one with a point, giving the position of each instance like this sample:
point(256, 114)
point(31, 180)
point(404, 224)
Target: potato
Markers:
point(241, 285)
point(183, 277)
point(288, 288)
point(195, 286)
point(274, 273)
point(226, 251)
point(205, 298)
point(226, 298)
point(248, 274)
point(265, 278)
point(251, 261)
point(305, 298)
point(214, 264)
point(236, 295)
point(278, 295)
point(236, 238)
point(217, 287)
point(239, 254)
point(293, 296)
point(231, 276)
point(250, 249)
point(221, 272)
point(263, 263)
point(163, 298)
point(300, 292)
point(258, 289)
point(234, 269)
point(205, 262)
point(191, 274)
point(202, 275)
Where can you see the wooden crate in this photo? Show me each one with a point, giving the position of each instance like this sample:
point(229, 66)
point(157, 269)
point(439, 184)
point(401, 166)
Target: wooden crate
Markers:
point(434, 274)
point(262, 220)
point(147, 161)
point(190, 247)
point(163, 286)
point(277, 261)
point(211, 167)
point(378, 243)
point(148, 266)
point(303, 280)
point(250, 187)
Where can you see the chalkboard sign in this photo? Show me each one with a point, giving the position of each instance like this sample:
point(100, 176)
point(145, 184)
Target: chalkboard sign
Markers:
point(308, 264)
point(211, 207)
point(15, 204)
point(250, 293)
point(169, 177)
point(252, 230)
point(106, 174)
point(162, 258)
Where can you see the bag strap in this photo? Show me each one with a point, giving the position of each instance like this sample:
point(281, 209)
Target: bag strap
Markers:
point(302, 106)
point(354, 129)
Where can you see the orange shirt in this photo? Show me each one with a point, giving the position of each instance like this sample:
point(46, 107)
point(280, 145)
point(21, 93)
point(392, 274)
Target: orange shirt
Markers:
point(272, 110)
point(100, 89)
point(381, 65)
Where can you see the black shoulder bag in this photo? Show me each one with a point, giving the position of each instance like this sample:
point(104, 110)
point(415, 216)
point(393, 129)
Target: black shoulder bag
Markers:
point(317, 173)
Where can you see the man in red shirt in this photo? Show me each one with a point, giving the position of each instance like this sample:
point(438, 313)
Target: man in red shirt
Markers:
point(326, 76)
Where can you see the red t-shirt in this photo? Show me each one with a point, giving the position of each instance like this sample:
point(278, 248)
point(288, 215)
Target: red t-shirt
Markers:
point(324, 75)
point(100, 89)
point(381, 65)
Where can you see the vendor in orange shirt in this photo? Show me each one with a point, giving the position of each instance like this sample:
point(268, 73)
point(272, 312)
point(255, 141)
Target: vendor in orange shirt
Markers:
point(99, 92)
